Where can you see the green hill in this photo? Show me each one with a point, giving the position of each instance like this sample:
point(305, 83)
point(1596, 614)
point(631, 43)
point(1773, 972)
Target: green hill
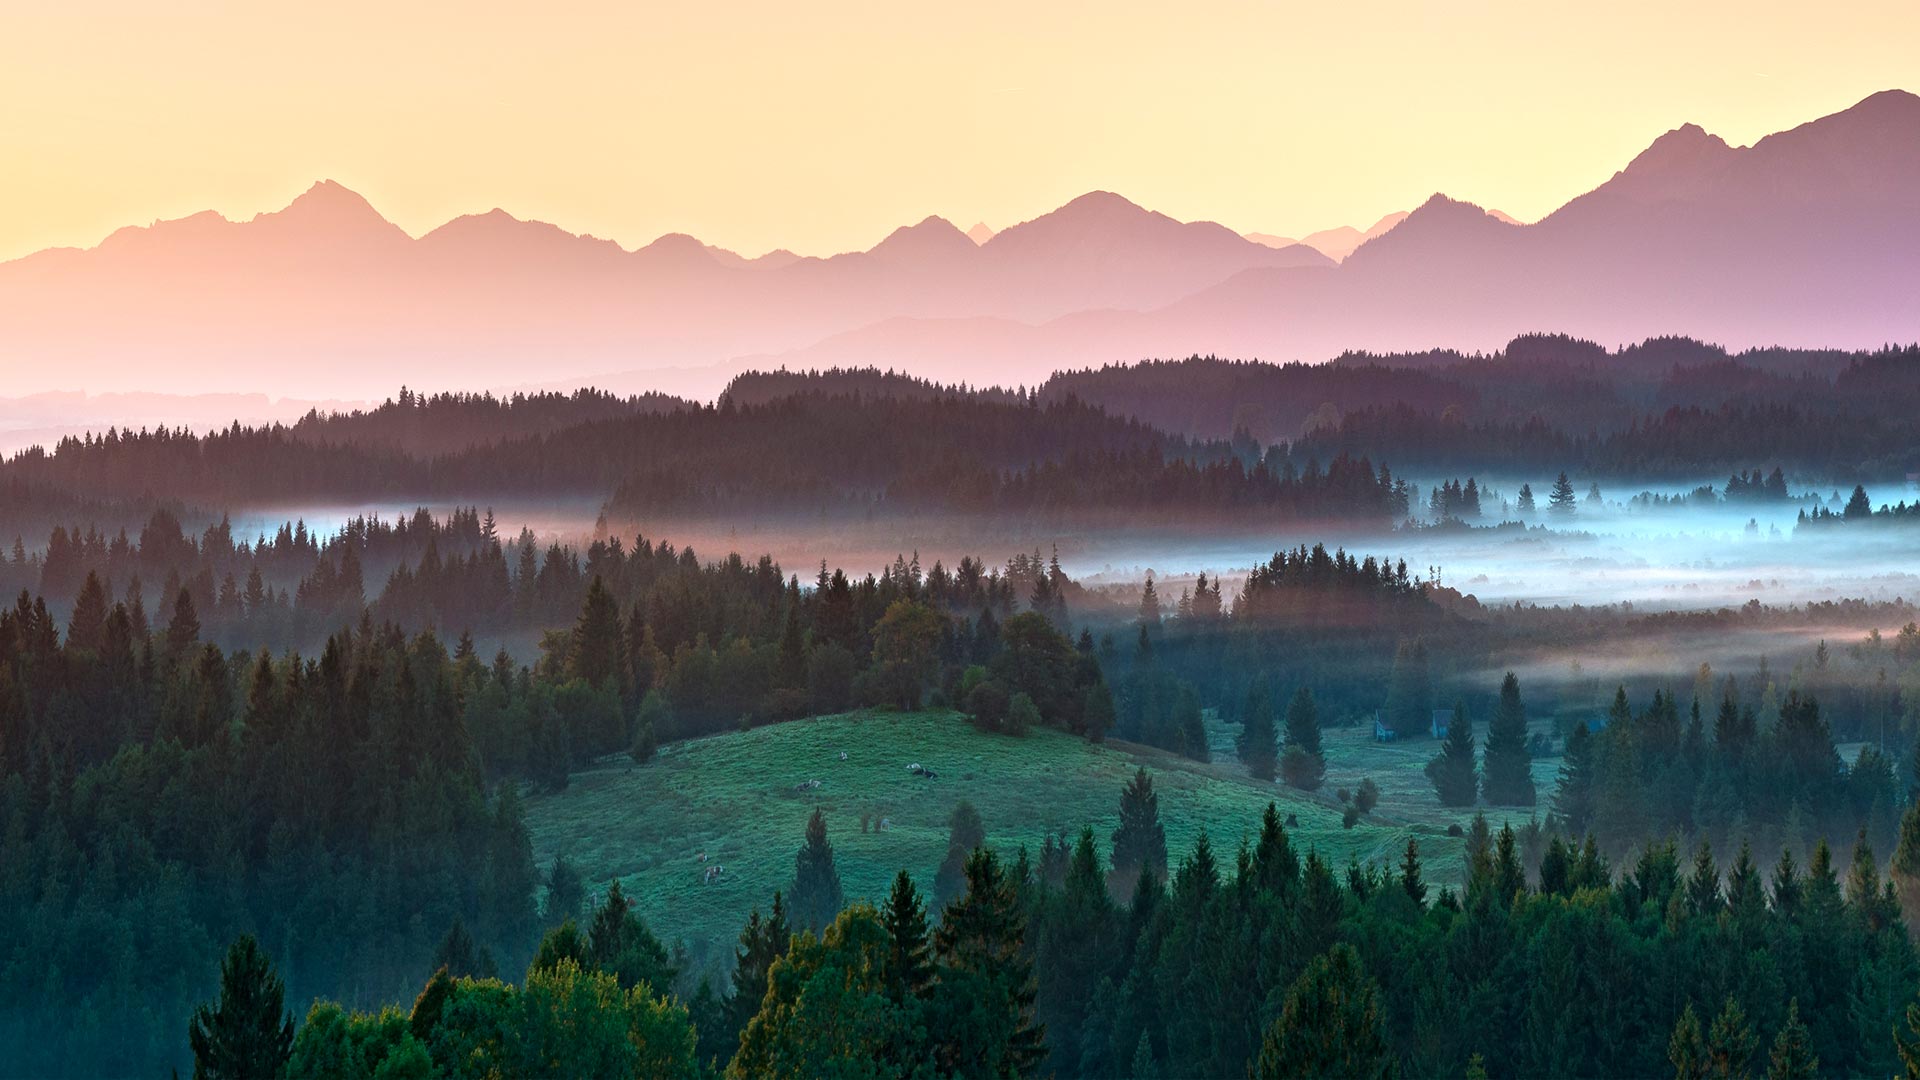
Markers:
point(738, 799)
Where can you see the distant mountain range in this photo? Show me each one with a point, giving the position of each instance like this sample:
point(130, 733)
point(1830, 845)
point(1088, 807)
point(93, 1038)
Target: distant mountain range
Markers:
point(1809, 237)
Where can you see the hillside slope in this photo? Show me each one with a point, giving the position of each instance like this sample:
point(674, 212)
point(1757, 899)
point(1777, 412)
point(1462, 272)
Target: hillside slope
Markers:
point(735, 798)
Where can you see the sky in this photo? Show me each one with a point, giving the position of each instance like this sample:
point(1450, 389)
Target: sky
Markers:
point(819, 127)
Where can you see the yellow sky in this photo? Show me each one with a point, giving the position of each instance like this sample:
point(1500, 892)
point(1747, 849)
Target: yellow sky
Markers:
point(819, 126)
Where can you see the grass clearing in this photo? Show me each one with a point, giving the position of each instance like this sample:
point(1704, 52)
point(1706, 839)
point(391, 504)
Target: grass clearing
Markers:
point(736, 797)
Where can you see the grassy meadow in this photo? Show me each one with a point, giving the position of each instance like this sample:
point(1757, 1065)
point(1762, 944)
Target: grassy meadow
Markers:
point(738, 798)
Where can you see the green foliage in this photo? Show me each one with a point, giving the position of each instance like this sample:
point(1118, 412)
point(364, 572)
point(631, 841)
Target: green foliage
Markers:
point(1257, 744)
point(1507, 766)
point(1454, 774)
point(247, 1033)
point(1329, 1025)
point(1305, 763)
point(1791, 1056)
point(815, 896)
point(1139, 843)
point(982, 1021)
point(1409, 706)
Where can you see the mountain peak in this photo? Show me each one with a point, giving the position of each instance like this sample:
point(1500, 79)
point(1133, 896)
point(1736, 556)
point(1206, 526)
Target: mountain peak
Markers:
point(1685, 148)
point(327, 199)
point(1102, 203)
point(933, 236)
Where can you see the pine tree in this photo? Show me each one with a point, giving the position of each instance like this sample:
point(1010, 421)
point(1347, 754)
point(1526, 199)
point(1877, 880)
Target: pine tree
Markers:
point(816, 896)
point(762, 942)
point(1703, 887)
point(965, 833)
point(1409, 706)
point(1139, 844)
point(985, 1002)
point(1508, 767)
point(1304, 764)
point(1792, 1056)
point(87, 627)
point(909, 971)
point(621, 945)
point(1452, 771)
point(1256, 744)
point(248, 1033)
point(1561, 501)
point(184, 628)
point(1573, 802)
point(1329, 1025)
point(597, 651)
point(1687, 1048)
point(1730, 1042)
point(1416, 889)
point(1905, 871)
point(1149, 606)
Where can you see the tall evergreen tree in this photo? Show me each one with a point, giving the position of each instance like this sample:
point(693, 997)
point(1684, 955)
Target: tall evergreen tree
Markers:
point(815, 896)
point(965, 832)
point(984, 1007)
point(248, 1033)
point(1304, 764)
point(597, 651)
point(1562, 500)
point(1409, 706)
point(1507, 765)
point(1687, 1047)
point(1792, 1056)
point(1410, 881)
point(762, 942)
point(86, 629)
point(909, 969)
point(1730, 1041)
point(1573, 802)
point(1257, 744)
point(1329, 1025)
point(1453, 770)
point(1139, 843)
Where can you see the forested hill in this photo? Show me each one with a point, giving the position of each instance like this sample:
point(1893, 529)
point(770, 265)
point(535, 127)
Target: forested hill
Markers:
point(446, 423)
point(1549, 400)
point(761, 387)
point(814, 451)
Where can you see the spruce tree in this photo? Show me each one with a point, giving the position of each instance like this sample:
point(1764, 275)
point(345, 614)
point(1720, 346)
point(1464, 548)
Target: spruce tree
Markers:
point(1561, 501)
point(1703, 887)
point(1508, 767)
point(1792, 1056)
point(1257, 744)
point(248, 1033)
point(1905, 871)
point(1452, 771)
point(1304, 764)
point(1687, 1048)
point(908, 969)
point(1409, 706)
point(597, 651)
point(1410, 881)
point(984, 1002)
point(816, 896)
point(1139, 844)
point(1573, 802)
point(183, 629)
point(87, 627)
point(1730, 1041)
point(762, 942)
point(965, 832)
point(1329, 1025)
